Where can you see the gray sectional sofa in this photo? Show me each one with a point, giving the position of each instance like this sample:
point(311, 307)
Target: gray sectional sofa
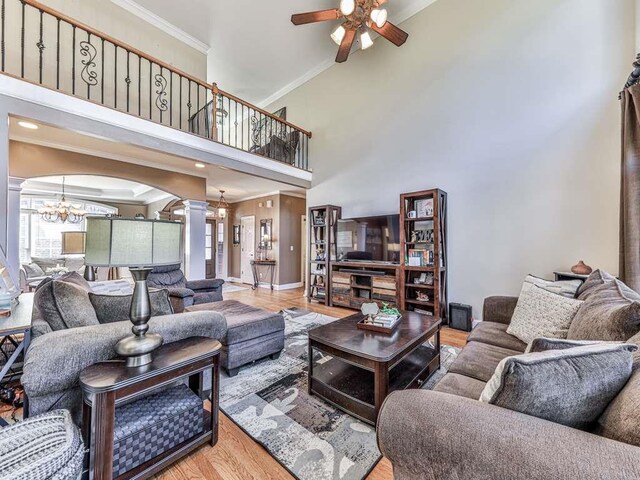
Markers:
point(447, 433)
point(69, 334)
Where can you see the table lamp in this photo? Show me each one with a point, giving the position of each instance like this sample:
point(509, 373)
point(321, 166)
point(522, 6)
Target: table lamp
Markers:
point(73, 243)
point(140, 245)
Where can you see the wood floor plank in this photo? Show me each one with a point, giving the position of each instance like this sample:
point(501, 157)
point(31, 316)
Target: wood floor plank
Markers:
point(237, 456)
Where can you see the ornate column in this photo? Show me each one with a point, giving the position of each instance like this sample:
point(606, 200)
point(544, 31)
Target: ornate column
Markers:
point(195, 215)
point(13, 227)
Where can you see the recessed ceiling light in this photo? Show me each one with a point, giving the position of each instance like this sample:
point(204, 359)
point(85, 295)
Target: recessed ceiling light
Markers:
point(200, 165)
point(29, 125)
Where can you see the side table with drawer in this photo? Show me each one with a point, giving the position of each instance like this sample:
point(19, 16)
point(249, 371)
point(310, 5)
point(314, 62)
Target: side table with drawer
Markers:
point(137, 421)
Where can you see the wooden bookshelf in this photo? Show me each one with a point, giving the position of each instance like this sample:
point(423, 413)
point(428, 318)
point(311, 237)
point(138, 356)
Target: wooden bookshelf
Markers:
point(423, 244)
point(323, 227)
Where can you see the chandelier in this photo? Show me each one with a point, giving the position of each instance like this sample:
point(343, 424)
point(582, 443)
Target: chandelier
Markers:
point(220, 208)
point(61, 211)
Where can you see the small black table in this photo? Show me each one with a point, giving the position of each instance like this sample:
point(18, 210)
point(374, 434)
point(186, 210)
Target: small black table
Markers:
point(271, 264)
point(105, 385)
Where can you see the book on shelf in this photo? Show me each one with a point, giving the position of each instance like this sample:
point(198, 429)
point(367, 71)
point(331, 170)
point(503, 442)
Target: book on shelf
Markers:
point(418, 257)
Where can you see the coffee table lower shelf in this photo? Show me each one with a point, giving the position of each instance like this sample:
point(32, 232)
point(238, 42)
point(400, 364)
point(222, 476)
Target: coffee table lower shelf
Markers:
point(351, 387)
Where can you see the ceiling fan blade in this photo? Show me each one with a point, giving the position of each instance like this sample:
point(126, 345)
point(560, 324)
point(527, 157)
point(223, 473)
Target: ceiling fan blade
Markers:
point(391, 33)
point(345, 46)
point(312, 17)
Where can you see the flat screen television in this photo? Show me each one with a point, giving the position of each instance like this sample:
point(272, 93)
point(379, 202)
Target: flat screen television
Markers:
point(369, 239)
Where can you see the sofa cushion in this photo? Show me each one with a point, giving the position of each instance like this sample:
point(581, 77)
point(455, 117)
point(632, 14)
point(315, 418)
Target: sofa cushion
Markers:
point(621, 420)
point(244, 322)
point(594, 281)
point(479, 360)
point(496, 334)
point(460, 385)
point(565, 288)
point(73, 304)
point(571, 386)
point(540, 313)
point(33, 270)
point(115, 308)
point(610, 312)
point(45, 263)
point(167, 276)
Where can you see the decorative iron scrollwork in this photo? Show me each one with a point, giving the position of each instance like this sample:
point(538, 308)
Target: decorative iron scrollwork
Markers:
point(161, 102)
point(88, 74)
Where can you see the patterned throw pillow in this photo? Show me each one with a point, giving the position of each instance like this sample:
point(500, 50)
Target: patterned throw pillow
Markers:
point(540, 313)
point(33, 270)
point(571, 387)
point(566, 288)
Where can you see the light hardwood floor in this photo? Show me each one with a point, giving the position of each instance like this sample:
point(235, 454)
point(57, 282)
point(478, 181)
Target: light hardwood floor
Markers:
point(236, 456)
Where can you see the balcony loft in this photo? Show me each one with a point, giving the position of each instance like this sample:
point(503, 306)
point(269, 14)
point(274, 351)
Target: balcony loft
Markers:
point(117, 90)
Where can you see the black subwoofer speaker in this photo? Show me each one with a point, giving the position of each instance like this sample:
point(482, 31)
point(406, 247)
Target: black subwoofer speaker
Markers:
point(460, 317)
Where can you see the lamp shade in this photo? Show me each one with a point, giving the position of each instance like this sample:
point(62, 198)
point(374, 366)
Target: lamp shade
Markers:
point(119, 242)
point(73, 243)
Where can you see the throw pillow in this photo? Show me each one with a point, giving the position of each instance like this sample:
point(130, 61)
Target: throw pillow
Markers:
point(76, 279)
point(610, 312)
point(33, 270)
point(73, 304)
point(571, 387)
point(115, 308)
point(540, 313)
point(594, 281)
point(621, 420)
point(566, 288)
point(543, 344)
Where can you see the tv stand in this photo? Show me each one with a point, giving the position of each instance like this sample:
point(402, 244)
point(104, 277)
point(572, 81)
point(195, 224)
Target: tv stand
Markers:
point(358, 282)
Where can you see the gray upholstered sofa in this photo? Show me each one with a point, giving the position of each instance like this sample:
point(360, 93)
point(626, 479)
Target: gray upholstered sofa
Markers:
point(61, 348)
point(184, 293)
point(447, 433)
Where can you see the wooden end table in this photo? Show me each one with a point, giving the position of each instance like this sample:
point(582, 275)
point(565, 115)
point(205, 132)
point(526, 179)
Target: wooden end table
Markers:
point(366, 366)
point(105, 385)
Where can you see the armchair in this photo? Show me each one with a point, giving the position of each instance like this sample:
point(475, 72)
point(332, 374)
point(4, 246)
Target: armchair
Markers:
point(182, 292)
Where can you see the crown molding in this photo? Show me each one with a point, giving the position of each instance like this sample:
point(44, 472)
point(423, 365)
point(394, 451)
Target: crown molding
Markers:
point(407, 12)
point(162, 24)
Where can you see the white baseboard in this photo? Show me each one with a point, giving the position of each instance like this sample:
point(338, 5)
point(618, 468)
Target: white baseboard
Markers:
point(286, 286)
point(233, 279)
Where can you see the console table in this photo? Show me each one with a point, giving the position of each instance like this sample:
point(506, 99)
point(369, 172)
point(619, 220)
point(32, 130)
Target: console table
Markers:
point(106, 385)
point(270, 264)
point(16, 330)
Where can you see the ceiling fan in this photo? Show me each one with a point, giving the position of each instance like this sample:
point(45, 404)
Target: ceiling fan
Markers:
point(360, 16)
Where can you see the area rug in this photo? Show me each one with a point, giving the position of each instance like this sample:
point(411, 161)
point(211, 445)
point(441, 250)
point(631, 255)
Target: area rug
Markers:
point(310, 438)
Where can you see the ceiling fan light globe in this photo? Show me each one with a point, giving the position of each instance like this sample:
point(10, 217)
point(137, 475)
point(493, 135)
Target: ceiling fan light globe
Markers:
point(365, 39)
point(338, 34)
point(347, 7)
point(379, 16)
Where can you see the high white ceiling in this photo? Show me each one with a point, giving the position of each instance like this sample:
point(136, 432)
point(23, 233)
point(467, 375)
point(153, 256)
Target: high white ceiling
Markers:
point(256, 52)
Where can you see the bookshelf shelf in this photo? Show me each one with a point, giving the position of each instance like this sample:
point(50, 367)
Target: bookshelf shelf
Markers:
point(323, 221)
point(423, 239)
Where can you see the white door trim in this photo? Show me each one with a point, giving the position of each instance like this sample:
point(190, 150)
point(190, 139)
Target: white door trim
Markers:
point(247, 250)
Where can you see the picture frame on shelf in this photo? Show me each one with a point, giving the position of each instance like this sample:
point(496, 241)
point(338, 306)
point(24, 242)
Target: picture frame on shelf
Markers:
point(424, 207)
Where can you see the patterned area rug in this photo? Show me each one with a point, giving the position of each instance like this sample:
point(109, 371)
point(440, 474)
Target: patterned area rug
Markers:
point(312, 439)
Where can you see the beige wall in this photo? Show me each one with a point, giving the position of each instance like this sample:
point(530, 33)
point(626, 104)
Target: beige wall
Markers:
point(127, 210)
point(29, 161)
point(508, 105)
point(286, 215)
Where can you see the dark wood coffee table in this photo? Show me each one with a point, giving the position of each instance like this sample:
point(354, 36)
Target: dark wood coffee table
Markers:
point(366, 366)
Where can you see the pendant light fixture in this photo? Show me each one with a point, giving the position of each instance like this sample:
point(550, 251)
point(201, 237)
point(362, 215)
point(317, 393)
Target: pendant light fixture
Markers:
point(221, 207)
point(62, 211)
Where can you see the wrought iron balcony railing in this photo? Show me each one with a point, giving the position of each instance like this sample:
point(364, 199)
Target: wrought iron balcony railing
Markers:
point(43, 46)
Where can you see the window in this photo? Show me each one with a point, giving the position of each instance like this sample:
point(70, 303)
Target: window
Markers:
point(39, 238)
point(207, 242)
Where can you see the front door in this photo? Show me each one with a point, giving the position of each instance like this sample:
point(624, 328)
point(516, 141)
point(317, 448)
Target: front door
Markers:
point(247, 247)
point(209, 250)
